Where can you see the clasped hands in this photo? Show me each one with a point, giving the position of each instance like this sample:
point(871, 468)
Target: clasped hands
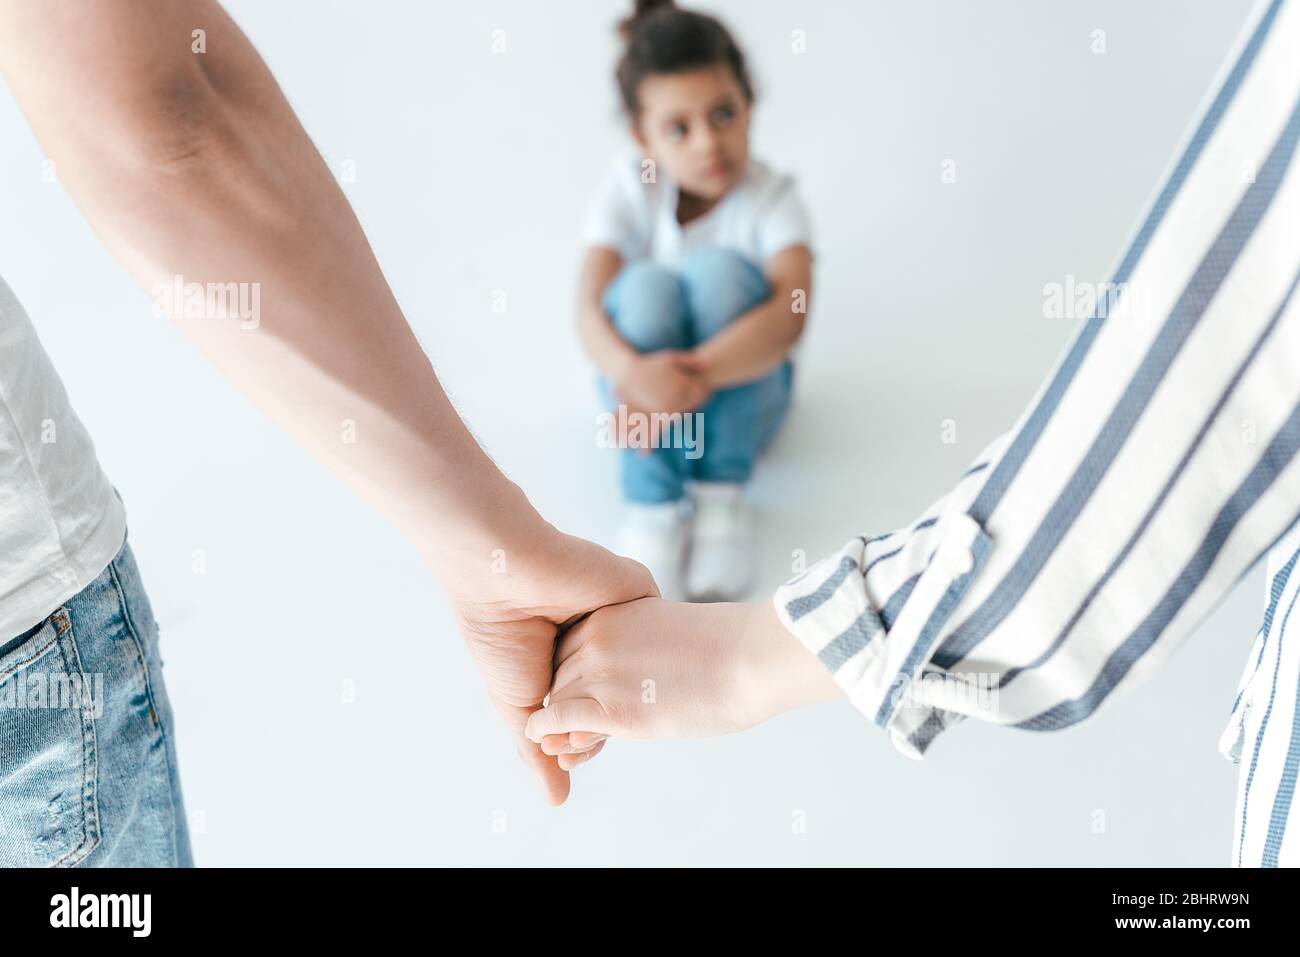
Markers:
point(665, 381)
point(569, 619)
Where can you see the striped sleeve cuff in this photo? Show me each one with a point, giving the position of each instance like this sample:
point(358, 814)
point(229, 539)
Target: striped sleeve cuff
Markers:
point(880, 654)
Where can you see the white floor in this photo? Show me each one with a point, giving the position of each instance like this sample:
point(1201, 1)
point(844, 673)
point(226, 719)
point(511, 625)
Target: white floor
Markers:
point(471, 169)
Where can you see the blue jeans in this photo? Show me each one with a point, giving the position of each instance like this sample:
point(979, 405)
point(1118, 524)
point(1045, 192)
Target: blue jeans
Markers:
point(88, 772)
point(655, 308)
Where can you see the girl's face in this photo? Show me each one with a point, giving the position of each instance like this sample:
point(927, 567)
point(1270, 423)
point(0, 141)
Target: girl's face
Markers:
point(696, 126)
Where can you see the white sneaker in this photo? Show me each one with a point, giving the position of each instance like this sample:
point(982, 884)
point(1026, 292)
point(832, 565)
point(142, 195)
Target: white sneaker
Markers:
point(721, 565)
point(655, 535)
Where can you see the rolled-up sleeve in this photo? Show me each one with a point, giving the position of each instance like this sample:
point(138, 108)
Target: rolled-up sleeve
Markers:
point(1154, 467)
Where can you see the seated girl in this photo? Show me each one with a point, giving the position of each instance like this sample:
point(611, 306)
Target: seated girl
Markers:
point(693, 291)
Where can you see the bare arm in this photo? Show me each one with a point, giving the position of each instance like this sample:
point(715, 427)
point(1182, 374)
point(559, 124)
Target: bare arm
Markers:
point(659, 381)
point(193, 164)
point(603, 344)
point(758, 341)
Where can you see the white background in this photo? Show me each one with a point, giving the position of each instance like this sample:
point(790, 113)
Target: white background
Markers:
point(472, 168)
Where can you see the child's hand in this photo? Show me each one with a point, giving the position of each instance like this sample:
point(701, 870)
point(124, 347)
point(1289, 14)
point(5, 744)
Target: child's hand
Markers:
point(657, 669)
point(663, 381)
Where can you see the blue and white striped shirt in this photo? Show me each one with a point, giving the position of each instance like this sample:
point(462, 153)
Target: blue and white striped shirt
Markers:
point(1155, 466)
point(1265, 724)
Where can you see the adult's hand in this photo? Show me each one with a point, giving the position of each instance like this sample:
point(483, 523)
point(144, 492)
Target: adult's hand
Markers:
point(512, 609)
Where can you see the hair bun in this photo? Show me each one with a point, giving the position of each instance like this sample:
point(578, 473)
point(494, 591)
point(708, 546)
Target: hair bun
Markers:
point(640, 10)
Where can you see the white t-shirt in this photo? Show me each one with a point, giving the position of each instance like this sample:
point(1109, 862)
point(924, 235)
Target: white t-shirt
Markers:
point(61, 521)
point(760, 216)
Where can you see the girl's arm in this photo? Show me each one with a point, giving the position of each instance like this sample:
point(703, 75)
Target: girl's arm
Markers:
point(606, 348)
point(757, 342)
point(662, 381)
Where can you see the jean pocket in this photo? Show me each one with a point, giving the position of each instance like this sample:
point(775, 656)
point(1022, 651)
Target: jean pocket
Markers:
point(49, 814)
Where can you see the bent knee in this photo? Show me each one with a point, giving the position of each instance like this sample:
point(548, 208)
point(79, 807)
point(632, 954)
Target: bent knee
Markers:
point(720, 285)
point(647, 305)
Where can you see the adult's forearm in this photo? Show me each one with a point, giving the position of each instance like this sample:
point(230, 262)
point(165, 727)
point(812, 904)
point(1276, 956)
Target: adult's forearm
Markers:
point(213, 180)
point(775, 673)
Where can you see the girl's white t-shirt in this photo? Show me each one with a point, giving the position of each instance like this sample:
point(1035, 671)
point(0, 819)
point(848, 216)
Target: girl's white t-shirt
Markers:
point(635, 212)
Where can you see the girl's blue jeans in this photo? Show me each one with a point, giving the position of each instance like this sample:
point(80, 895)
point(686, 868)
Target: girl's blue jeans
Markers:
point(653, 308)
